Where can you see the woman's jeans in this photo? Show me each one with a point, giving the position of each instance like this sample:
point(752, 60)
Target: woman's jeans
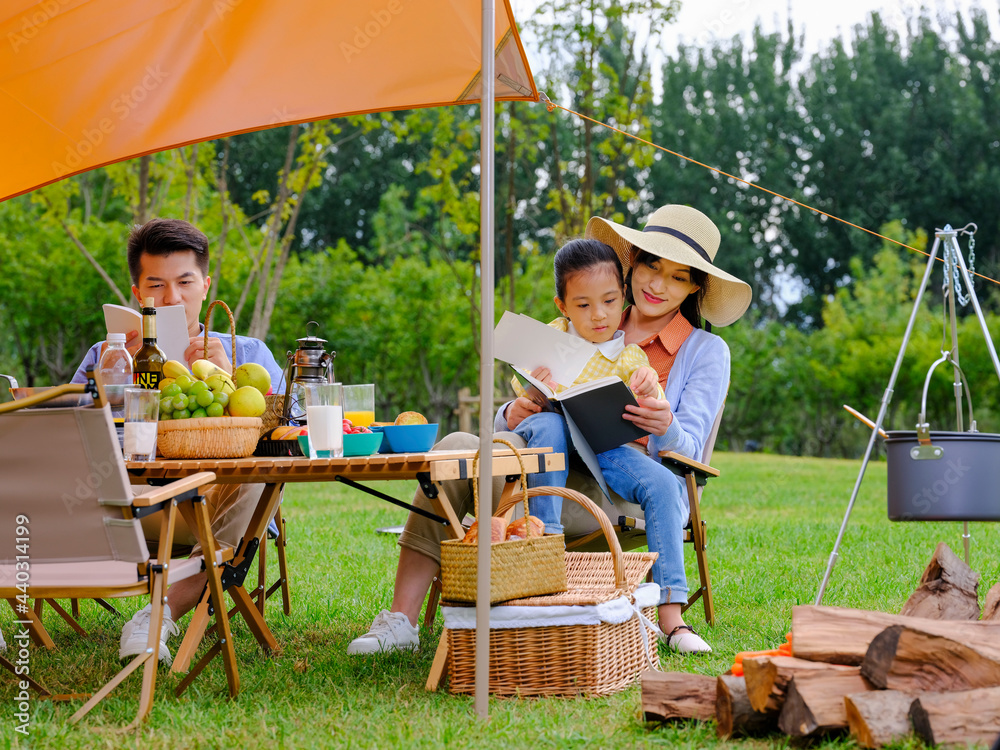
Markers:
point(638, 479)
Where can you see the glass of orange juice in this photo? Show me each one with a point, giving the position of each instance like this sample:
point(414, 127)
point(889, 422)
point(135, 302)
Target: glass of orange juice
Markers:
point(359, 404)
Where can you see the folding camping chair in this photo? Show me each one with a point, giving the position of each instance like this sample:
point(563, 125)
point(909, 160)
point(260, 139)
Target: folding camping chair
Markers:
point(70, 517)
point(630, 526)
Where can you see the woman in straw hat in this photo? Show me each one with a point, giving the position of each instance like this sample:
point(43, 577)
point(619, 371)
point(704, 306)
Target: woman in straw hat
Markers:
point(671, 284)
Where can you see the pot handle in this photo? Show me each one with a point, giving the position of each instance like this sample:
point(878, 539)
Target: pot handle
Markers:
point(923, 428)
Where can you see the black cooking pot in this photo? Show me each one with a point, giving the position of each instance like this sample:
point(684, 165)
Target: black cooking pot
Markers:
point(960, 483)
point(943, 476)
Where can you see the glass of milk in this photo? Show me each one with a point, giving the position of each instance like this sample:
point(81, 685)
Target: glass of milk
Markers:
point(142, 407)
point(325, 419)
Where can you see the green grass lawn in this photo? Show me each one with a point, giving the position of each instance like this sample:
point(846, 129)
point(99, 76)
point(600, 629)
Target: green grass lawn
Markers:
point(772, 523)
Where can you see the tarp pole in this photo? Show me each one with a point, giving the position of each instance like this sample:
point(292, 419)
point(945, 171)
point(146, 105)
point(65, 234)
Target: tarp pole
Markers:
point(482, 688)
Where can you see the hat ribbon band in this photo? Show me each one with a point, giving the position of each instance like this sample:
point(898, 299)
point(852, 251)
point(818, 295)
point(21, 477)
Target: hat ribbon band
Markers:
point(689, 241)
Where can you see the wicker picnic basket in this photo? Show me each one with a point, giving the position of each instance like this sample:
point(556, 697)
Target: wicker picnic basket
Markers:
point(518, 568)
point(210, 437)
point(599, 659)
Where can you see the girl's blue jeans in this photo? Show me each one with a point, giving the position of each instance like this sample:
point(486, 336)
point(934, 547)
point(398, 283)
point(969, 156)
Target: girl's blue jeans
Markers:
point(638, 479)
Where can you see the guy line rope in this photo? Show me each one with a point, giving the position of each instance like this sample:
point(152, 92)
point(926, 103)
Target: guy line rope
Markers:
point(551, 105)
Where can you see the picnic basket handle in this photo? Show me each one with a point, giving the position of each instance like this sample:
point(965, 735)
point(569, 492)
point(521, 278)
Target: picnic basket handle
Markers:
point(599, 515)
point(524, 481)
point(232, 328)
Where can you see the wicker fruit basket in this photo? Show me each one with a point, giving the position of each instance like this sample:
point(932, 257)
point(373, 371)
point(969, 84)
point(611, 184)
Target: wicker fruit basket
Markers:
point(525, 567)
point(208, 437)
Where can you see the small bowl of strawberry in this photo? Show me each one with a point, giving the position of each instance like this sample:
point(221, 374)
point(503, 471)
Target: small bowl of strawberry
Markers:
point(360, 441)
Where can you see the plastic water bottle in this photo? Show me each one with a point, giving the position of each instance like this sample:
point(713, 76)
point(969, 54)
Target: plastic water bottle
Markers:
point(116, 369)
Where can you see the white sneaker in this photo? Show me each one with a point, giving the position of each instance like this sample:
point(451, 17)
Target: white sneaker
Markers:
point(135, 634)
point(391, 631)
point(3, 643)
point(684, 640)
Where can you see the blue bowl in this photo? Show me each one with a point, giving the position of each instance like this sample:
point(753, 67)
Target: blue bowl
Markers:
point(410, 438)
point(358, 444)
point(362, 443)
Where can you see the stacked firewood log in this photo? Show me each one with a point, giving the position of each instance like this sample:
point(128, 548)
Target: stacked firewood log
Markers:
point(933, 670)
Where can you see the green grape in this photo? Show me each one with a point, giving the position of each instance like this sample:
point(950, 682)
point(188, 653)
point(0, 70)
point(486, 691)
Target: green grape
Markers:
point(184, 382)
point(199, 414)
point(222, 398)
point(180, 402)
point(164, 416)
point(181, 414)
point(171, 390)
point(166, 404)
point(214, 410)
point(204, 397)
point(198, 386)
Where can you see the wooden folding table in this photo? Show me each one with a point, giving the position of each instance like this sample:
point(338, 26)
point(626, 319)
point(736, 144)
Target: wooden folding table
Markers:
point(429, 469)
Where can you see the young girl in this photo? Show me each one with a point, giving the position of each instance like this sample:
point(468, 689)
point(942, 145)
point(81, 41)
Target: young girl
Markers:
point(590, 291)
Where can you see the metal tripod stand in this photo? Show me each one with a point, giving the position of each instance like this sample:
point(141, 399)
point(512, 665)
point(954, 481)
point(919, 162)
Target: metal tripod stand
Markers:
point(953, 261)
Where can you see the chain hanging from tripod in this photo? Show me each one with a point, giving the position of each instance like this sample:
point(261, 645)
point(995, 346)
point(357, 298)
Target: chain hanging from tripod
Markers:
point(951, 265)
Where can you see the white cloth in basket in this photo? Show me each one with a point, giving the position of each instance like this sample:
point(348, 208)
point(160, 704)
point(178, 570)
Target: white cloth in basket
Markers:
point(613, 612)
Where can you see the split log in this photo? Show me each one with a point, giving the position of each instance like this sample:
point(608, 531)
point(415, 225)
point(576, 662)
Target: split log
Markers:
point(878, 717)
point(948, 590)
point(814, 703)
point(991, 609)
point(767, 678)
point(733, 714)
point(971, 717)
point(677, 695)
point(909, 658)
point(841, 636)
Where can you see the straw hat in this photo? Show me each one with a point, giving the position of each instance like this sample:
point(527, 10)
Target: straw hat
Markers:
point(686, 236)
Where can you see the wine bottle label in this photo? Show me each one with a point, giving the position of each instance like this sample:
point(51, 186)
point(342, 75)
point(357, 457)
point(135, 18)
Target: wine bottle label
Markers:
point(149, 380)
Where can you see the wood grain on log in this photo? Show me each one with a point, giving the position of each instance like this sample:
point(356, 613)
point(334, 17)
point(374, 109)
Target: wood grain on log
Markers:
point(733, 714)
point(970, 717)
point(878, 717)
point(814, 703)
point(948, 590)
point(991, 609)
point(677, 695)
point(767, 678)
point(905, 657)
point(841, 636)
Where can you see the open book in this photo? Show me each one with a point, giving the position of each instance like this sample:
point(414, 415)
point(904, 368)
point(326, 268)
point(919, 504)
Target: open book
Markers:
point(171, 327)
point(593, 410)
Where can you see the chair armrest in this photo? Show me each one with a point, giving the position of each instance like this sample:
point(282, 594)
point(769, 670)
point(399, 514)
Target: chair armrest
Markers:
point(682, 465)
point(158, 494)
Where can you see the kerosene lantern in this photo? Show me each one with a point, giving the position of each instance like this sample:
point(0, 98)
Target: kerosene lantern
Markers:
point(308, 365)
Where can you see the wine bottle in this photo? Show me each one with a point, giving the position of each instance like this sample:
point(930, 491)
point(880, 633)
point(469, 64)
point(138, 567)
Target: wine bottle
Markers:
point(147, 364)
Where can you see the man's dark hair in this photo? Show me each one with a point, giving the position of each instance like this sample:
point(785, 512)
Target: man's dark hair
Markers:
point(162, 237)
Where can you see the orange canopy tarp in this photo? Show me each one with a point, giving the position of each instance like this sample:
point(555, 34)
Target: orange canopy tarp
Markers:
point(85, 83)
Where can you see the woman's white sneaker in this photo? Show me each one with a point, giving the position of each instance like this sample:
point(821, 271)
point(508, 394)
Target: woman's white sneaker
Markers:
point(390, 631)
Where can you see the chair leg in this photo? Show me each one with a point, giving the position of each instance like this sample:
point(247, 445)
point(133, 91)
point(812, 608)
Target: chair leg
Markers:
point(33, 623)
point(439, 667)
point(699, 538)
point(432, 603)
point(260, 593)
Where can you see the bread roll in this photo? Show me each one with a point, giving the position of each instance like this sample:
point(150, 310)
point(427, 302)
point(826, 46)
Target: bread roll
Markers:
point(516, 528)
point(497, 532)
